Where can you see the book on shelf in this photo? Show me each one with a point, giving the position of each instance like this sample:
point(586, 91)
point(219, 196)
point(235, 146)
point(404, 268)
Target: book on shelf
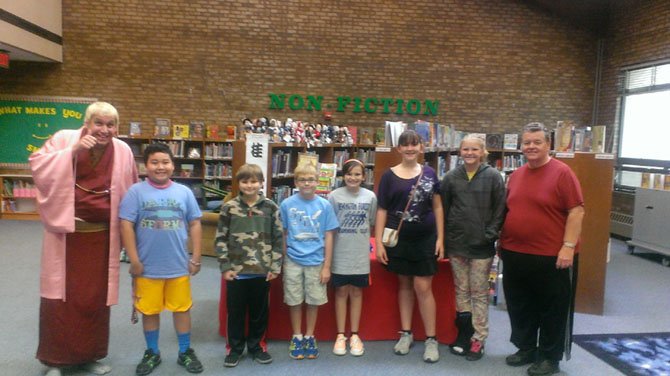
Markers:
point(366, 136)
point(511, 141)
point(327, 177)
point(598, 138)
point(578, 139)
point(422, 128)
point(339, 156)
point(353, 133)
point(180, 131)
point(564, 136)
point(231, 132)
point(380, 136)
point(136, 149)
point(393, 129)
point(457, 137)
point(494, 141)
point(281, 163)
point(135, 128)
point(213, 131)
point(141, 168)
point(196, 129)
point(666, 182)
point(587, 143)
point(186, 170)
point(308, 159)
point(218, 151)
point(162, 128)
point(367, 156)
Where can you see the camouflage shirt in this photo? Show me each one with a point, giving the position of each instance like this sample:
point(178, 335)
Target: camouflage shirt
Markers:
point(249, 239)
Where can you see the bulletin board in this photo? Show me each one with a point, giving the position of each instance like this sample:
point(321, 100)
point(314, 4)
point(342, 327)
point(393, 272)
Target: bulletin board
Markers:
point(27, 121)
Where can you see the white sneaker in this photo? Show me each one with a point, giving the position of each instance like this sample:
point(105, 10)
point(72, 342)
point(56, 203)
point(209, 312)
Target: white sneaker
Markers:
point(340, 347)
point(431, 353)
point(96, 368)
point(356, 347)
point(404, 343)
point(53, 371)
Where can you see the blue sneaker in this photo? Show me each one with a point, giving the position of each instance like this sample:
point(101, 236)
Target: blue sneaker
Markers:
point(296, 348)
point(311, 349)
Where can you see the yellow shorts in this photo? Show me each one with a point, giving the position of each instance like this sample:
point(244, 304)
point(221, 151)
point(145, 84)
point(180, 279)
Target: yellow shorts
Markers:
point(154, 295)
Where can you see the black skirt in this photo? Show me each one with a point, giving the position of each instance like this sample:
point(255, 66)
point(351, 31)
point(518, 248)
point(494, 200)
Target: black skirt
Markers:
point(415, 256)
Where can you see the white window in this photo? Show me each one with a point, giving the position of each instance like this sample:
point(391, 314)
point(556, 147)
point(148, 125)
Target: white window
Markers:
point(645, 127)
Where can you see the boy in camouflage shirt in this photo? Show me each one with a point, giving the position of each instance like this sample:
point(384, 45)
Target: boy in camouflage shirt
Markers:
point(249, 242)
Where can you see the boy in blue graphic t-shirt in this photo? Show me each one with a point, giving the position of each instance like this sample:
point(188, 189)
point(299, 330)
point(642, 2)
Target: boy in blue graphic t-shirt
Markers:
point(157, 217)
point(309, 225)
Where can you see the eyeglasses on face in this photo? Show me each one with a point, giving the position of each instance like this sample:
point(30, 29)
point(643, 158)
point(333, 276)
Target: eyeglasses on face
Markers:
point(306, 180)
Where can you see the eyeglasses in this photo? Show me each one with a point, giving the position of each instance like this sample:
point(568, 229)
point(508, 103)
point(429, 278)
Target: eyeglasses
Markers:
point(304, 180)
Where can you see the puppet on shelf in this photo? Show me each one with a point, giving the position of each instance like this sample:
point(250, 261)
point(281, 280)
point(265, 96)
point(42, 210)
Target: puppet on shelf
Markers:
point(274, 130)
point(247, 126)
point(287, 134)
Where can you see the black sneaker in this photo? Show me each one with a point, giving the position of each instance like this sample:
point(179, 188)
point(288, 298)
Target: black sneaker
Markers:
point(232, 359)
point(149, 361)
point(543, 368)
point(189, 361)
point(262, 357)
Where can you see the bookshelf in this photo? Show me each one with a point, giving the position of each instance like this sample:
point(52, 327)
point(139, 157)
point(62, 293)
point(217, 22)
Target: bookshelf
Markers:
point(198, 162)
point(17, 195)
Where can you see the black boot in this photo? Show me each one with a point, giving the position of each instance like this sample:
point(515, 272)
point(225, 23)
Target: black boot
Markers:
point(465, 332)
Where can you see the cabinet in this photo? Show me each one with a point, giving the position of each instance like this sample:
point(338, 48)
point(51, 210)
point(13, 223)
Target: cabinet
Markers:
point(595, 173)
point(18, 195)
point(651, 229)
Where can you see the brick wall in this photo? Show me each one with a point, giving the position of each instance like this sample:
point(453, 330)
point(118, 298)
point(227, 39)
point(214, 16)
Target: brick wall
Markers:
point(494, 65)
point(637, 35)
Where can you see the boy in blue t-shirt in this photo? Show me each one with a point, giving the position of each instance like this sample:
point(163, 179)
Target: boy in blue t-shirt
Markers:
point(157, 217)
point(309, 225)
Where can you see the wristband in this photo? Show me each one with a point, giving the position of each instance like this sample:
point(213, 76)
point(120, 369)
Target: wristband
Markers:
point(194, 263)
point(569, 245)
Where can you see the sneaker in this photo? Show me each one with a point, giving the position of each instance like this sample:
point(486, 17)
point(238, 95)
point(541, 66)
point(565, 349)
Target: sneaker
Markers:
point(476, 350)
point(232, 359)
point(311, 349)
point(521, 358)
point(190, 361)
point(340, 347)
point(431, 353)
point(296, 349)
point(53, 371)
point(262, 357)
point(149, 361)
point(356, 345)
point(404, 343)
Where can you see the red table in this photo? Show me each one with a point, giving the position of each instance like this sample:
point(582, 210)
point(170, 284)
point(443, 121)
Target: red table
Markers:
point(380, 319)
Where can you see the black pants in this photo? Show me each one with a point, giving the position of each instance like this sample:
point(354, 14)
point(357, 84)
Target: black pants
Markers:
point(540, 301)
point(247, 296)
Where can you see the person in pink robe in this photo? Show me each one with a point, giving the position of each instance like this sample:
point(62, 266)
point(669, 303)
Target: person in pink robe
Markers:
point(81, 176)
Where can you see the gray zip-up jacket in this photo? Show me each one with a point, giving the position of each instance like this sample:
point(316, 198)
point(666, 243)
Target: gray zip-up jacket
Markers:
point(474, 211)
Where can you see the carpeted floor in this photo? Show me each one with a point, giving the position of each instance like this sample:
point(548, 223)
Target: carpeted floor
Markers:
point(633, 353)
